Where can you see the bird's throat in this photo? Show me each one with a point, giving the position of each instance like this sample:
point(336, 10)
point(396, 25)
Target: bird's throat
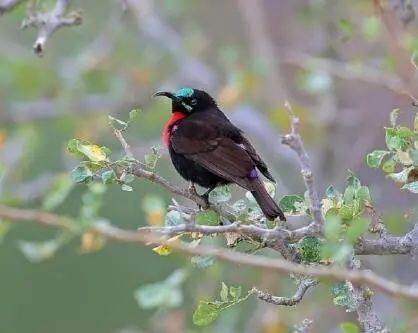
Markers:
point(175, 117)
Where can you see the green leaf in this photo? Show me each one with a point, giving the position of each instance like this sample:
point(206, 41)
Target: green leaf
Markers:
point(289, 203)
point(224, 293)
point(81, 174)
point(39, 251)
point(363, 194)
point(158, 295)
point(205, 313)
point(309, 249)
point(108, 177)
point(349, 195)
point(398, 138)
point(347, 212)
point(349, 327)
point(374, 159)
point(133, 114)
point(150, 160)
point(207, 217)
point(332, 228)
point(416, 123)
point(411, 187)
point(353, 181)
point(106, 150)
point(127, 178)
point(164, 294)
point(173, 218)
point(202, 262)
point(342, 297)
point(400, 177)
point(235, 292)
point(389, 166)
point(59, 191)
point(357, 228)
point(332, 193)
point(126, 188)
point(72, 146)
point(220, 194)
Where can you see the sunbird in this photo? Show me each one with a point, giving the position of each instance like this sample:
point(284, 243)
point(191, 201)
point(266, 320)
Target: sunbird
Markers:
point(208, 150)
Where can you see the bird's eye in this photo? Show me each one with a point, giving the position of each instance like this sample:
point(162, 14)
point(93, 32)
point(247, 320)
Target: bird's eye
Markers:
point(193, 101)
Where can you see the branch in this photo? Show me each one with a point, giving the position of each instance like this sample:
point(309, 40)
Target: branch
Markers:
point(113, 233)
point(47, 23)
point(387, 244)
point(294, 141)
point(273, 238)
point(368, 319)
point(9, 5)
point(302, 288)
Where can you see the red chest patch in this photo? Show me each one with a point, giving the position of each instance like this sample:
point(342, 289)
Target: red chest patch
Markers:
point(175, 117)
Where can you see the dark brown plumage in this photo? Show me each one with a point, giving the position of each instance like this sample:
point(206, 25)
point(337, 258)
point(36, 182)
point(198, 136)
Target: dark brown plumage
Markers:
point(207, 149)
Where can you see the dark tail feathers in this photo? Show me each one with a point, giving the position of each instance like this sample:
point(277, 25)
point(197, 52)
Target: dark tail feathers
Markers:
point(269, 207)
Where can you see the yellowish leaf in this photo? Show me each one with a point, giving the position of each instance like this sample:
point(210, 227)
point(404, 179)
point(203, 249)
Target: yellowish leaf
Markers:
point(93, 152)
point(91, 242)
point(163, 250)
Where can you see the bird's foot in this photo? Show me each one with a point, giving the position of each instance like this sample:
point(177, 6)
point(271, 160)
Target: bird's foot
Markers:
point(192, 189)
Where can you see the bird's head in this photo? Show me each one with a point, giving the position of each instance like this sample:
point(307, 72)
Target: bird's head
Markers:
point(188, 100)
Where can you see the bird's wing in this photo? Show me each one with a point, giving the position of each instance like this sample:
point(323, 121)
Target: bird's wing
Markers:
point(205, 142)
point(257, 159)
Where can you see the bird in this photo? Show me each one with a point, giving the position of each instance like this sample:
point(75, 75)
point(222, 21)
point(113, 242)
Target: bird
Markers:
point(207, 149)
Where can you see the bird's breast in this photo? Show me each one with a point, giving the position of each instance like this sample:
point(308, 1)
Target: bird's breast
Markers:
point(169, 126)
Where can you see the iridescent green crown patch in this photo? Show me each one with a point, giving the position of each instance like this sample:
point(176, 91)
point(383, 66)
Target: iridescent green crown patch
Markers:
point(184, 92)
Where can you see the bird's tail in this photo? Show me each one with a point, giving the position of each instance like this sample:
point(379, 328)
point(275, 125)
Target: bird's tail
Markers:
point(269, 207)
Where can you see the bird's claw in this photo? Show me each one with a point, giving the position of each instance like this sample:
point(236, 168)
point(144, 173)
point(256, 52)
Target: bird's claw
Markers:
point(205, 198)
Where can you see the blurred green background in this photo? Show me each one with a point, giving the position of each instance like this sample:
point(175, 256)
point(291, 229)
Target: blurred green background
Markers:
point(251, 55)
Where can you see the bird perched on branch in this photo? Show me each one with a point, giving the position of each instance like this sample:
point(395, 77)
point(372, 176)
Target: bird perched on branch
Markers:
point(207, 149)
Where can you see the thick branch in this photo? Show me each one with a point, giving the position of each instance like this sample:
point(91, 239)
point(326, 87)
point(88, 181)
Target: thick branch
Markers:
point(47, 23)
point(282, 266)
point(302, 288)
point(407, 244)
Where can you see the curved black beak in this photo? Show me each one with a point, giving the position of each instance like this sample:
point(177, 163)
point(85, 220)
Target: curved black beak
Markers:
point(165, 94)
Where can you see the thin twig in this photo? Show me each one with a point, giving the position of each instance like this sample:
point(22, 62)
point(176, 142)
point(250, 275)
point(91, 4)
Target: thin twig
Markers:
point(47, 23)
point(126, 147)
point(302, 288)
point(294, 141)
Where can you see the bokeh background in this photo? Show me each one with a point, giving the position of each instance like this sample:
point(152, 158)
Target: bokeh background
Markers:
point(335, 61)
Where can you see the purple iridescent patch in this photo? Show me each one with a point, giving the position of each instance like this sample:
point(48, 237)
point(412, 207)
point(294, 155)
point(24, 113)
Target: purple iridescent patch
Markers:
point(253, 173)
